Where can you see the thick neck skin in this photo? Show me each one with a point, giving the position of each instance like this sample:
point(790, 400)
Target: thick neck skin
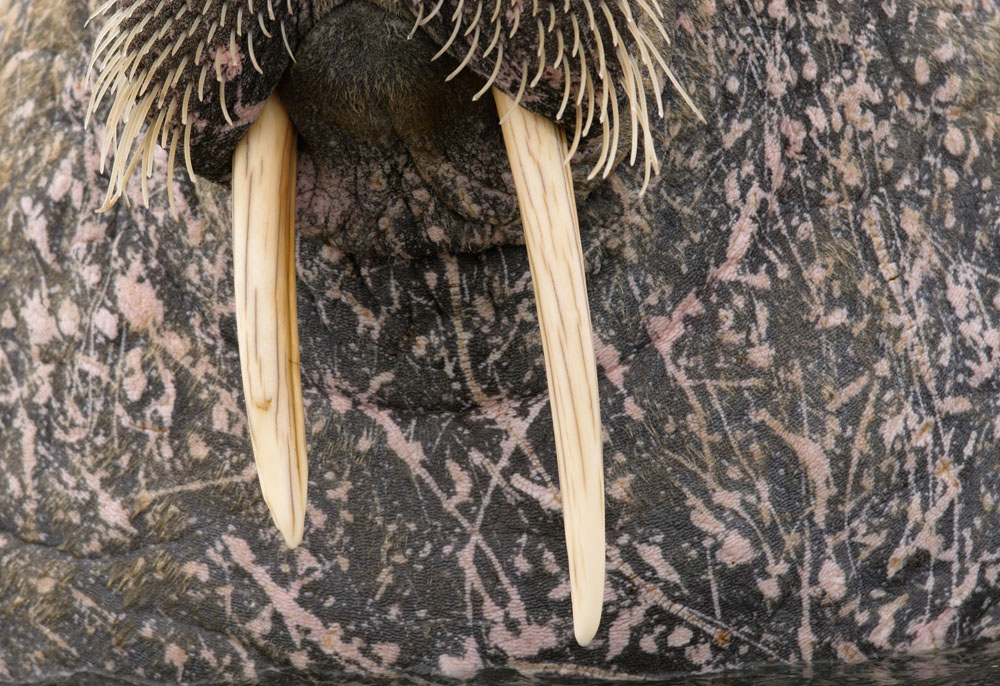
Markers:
point(797, 330)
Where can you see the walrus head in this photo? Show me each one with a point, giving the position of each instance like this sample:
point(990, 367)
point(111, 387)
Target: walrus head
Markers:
point(386, 121)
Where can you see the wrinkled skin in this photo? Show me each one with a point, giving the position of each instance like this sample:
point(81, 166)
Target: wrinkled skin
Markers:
point(798, 333)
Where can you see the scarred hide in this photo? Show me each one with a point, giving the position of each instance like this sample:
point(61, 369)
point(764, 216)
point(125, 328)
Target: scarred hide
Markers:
point(798, 338)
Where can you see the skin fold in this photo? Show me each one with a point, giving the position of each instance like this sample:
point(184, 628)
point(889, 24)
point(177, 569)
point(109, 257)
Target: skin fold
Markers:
point(797, 328)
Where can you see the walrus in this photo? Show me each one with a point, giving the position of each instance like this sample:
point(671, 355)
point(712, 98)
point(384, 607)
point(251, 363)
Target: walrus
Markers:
point(794, 323)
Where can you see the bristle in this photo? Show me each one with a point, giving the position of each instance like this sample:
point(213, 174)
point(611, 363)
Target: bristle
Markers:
point(201, 83)
point(284, 39)
point(434, 13)
point(109, 76)
point(413, 29)
point(468, 56)
point(653, 17)
point(186, 103)
point(103, 9)
point(628, 81)
point(615, 40)
point(591, 99)
point(541, 55)
point(263, 27)
point(567, 86)
point(198, 53)
point(493, 76)
point(644, 53)
point(560, 48)
point(170, 174)
point(576, 35)
point(520, 91)
point(147, 156)
point(605, 134)
point(605, 93)
point(253, 57)
point(651, 162)
point(222, 90)
point(475, 19)
point(126, 93)
point(105, 38)
point(451, 39)
point(673, 80)
point(493, 42)
point(119, 173)
point(517, 22)
point(601, 66)
point(576, 136)
point(613, 152)
point(151, 71)
point(211, 31)
point(147, 145)
point(175, 48)
point(629, 77)
point(187, 148)
point(168, 122)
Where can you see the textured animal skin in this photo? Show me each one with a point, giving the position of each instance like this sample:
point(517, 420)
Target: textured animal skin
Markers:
point(798, 339)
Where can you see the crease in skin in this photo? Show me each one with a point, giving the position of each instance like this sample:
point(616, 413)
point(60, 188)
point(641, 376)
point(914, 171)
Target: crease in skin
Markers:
point(266, 313)
point(536, 148)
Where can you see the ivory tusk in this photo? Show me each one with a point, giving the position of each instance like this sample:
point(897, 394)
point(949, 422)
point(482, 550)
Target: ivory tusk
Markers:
point(266, 316)
point(536, 148)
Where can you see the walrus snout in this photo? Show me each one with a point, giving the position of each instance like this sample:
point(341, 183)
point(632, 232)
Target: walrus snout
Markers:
point(192, 76)
point(354, 98)
point(386, 141)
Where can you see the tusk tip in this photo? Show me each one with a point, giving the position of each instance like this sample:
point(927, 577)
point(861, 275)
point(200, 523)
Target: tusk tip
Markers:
point(292, 538)
point(588, 603)
point(585, 626)
point(289, 524)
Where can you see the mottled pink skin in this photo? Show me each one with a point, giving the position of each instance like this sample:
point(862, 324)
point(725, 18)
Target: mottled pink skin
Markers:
point(798, 335)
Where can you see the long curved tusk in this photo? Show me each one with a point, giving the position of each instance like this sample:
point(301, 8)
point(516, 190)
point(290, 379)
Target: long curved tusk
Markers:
point(266, 316)
point(536, 148)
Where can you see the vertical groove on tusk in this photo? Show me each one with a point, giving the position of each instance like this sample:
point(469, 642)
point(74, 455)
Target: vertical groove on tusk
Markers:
point(266, 316)
point(536, 148)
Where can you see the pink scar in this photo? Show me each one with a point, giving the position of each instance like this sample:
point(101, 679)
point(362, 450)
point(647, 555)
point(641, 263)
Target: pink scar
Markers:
point(230, 61)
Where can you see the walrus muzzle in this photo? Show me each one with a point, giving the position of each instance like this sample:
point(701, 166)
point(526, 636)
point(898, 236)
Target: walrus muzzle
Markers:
point(159, 76)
